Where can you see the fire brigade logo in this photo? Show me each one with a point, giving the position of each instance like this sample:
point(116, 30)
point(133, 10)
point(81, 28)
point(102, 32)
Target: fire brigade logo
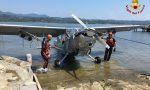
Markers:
point(135, 7)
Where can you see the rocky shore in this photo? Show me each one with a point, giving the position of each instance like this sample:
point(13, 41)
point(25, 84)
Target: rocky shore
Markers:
point(16, 74)
point(111, 84)
point(103, 78)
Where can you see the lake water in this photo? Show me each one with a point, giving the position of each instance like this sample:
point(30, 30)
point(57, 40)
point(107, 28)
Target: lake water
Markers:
point(131, 55)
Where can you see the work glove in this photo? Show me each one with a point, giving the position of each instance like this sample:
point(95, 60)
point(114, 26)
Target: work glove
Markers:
point(107, 46)
point(49, 55)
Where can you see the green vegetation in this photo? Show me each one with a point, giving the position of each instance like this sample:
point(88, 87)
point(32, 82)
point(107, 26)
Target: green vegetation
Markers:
point(11, 17)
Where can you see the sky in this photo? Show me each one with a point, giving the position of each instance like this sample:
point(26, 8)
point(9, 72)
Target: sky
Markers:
point(87, 9)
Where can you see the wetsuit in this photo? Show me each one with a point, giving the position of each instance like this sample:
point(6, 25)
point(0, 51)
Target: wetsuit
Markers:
point(111, 42)
point(45, 52)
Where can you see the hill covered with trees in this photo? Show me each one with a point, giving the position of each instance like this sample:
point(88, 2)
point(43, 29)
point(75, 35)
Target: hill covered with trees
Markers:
point(12, 17)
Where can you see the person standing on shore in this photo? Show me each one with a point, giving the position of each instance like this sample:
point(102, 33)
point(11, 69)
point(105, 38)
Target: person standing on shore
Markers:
point(45, 52)
point(112, 43)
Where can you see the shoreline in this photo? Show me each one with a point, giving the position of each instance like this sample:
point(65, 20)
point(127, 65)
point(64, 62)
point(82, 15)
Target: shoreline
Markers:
point(104, 76)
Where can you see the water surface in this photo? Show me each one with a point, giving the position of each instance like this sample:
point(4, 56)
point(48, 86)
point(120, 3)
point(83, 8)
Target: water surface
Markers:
point(129, 56)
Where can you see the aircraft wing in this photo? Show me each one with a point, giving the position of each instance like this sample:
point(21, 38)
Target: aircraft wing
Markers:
point(7, 29)
point(117, 28)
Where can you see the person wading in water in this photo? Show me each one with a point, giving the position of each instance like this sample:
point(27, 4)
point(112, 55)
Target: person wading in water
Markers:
point(45, 52)
point(112, 43)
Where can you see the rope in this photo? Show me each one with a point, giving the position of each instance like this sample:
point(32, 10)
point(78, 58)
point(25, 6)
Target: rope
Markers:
point(134, 41)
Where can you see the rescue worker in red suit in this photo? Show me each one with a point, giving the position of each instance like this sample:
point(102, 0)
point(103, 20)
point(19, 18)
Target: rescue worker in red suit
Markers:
point(45, 52)
point(111, 43)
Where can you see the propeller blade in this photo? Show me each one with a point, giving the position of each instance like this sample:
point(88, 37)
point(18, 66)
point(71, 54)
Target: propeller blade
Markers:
point(102, 41)
point(79, 21)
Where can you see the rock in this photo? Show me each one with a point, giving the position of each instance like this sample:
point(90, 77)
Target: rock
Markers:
point(58, 86)
point(2, 68)
point(3, 84)
point(144, 76)
point(29, 83)
point(16, 75)
point(96, 86)
point(1, 58)
point(24, 64)
point(23, 74)
point(61, 88)
point(72, 88)
point(105, 85)
point(12, 60)
point(13, 79)
point(28, 87)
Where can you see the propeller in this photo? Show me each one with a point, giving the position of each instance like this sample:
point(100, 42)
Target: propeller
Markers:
point(102, 41)
point(79, 21)
point(98, 38)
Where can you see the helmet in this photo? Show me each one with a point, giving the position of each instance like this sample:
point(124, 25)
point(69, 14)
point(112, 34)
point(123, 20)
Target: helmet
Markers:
point(49, 36)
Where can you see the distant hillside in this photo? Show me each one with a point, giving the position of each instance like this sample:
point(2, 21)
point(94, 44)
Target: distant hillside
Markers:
point(12, 17)
point(22, 15)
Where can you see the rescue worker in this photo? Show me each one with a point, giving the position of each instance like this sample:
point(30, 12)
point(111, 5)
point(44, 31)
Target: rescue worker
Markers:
point(45, 52)
point(111, 43)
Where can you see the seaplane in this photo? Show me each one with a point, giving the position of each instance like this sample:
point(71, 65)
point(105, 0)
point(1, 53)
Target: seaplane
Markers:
point(70, 42)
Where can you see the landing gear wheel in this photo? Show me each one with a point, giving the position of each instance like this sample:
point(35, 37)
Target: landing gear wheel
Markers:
point(97, 60)
point(56, 63)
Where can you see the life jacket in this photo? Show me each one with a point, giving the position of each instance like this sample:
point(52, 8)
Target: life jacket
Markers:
point(43, 41)
point(45, 47)
point(110, 41)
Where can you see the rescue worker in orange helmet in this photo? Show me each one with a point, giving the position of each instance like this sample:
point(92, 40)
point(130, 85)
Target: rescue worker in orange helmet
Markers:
point(112, 43)
point(45, 52)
